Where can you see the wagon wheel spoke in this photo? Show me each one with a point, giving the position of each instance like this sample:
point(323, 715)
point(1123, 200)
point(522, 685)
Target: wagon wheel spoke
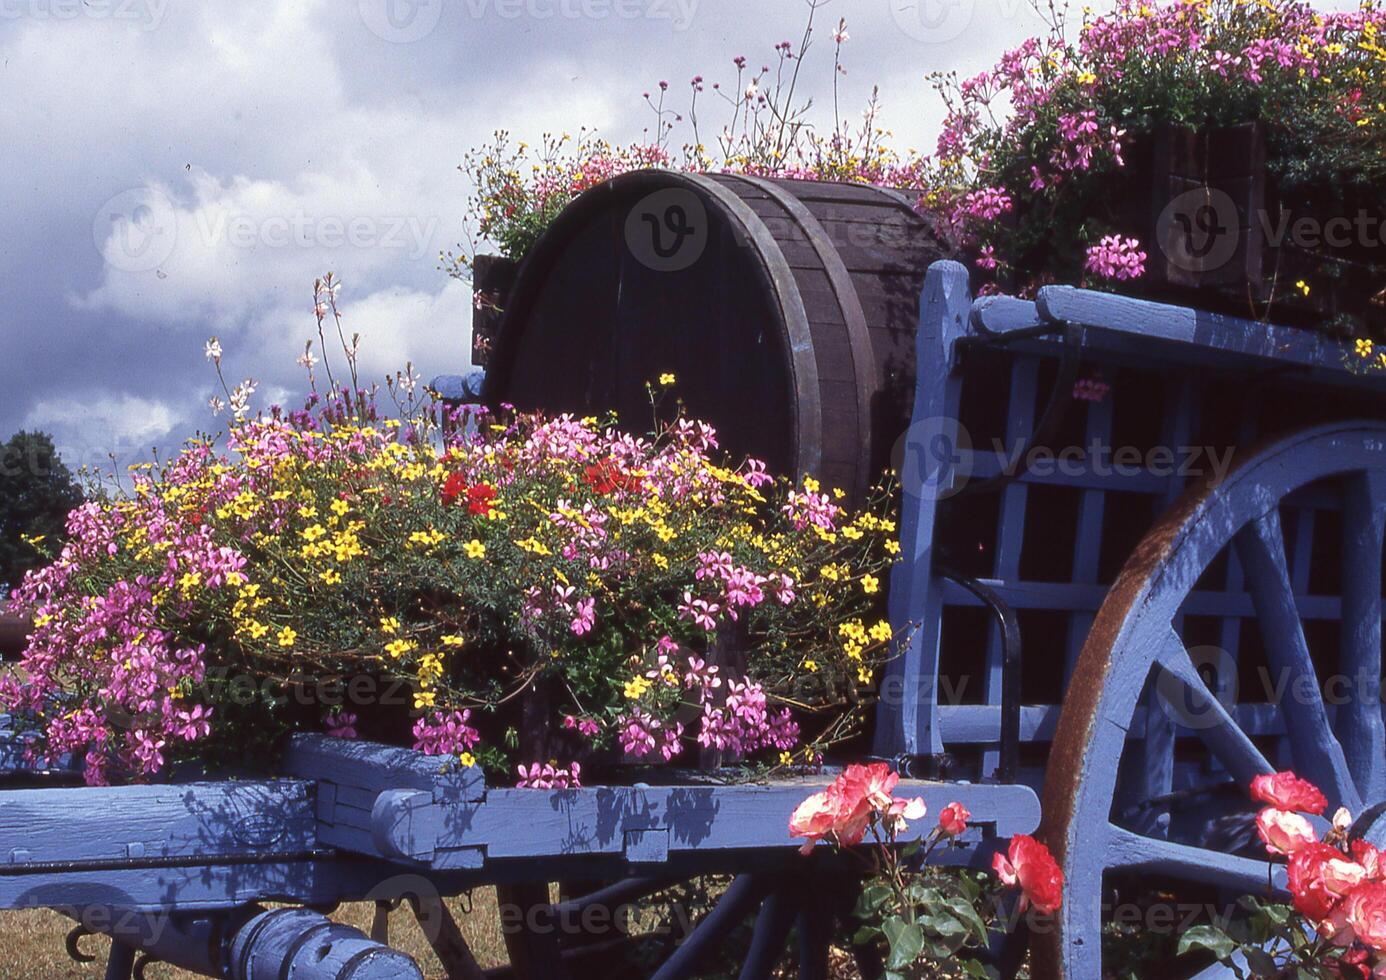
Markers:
point(744, 894)
point(1126, 851)
point(773, 922)
point(815, 933)
point(1200, 710)
point(1359, 719)
point(1318, 756)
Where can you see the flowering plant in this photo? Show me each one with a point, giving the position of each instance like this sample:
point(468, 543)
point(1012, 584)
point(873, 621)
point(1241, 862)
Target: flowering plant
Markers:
point(922, 913)
point(1335, 924)
point(1033, 152)
point(457, 591)
point(765, 127)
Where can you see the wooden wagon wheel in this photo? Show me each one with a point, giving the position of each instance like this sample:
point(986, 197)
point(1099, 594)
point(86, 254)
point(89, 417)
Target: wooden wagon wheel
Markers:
point(1135, 647)
point(794, 907)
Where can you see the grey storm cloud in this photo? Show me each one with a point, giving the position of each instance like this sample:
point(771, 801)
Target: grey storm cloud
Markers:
point(175, 169)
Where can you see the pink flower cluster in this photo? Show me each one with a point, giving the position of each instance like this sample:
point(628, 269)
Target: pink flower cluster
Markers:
point(738, 724)
point(111, 645)
point(1115, 257)
point(549, 776)
point(445, 734)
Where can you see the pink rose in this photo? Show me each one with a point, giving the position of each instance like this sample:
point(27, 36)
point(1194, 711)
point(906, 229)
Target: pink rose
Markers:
point(1370, 858)
point(1028, 865)
point(1366, 913)
point(1284, 832)
point(813, 819)
point(953, 818)
point(1286, 791)
point(900, 811)
point(1310, 891)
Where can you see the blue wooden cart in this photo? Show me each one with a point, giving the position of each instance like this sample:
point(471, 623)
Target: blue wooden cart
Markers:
point(1154, 593)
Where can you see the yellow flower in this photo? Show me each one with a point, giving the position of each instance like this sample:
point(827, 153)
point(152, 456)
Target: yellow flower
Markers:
point(467, 759)
point(870, 584)
point(811, 666)
point(660, 561)
point(810, 484)
point(892, 546)
point(1302, 286)
point(786, 759)
point(881, 632)
point(389, 625)
point(331, 576)
point(829, 572)
point(1364, 348)
point(340, 507)
point(452, 641)
point(398, 648)
point(636, 687)
point(666, 379)
point(287, 636)
point(475, 549)
point(424, 699)
point(1086, 78)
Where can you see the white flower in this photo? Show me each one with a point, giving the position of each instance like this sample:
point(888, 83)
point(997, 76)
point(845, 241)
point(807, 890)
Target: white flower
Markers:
point(751, 91)
point(240, 398)
point(308, 359)
point(213, 350)
point(841, 37)
point(216, 405)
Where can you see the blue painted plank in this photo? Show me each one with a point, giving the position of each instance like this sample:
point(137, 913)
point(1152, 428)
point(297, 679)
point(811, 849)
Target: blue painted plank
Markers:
point(905, 719)
point(601, 820)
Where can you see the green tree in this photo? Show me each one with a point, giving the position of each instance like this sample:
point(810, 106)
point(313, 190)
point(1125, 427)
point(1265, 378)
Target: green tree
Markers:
point(36, 493)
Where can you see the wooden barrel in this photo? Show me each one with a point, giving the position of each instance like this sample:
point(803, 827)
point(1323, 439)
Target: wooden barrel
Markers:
point(786, 309)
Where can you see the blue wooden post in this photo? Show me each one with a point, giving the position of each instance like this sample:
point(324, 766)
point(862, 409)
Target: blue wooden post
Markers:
point(906, 720)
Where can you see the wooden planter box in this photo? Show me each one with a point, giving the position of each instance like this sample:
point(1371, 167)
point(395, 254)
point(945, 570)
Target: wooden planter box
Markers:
point(492, 277)
point(1220, 234)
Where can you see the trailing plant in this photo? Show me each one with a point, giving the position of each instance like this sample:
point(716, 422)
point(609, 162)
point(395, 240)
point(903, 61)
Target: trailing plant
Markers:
point(1032, 157)
point(514, 563)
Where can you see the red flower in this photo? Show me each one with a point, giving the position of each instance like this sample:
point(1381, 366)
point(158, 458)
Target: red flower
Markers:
point(606, 477)
point(1366, 913)
point(1286, 791)
point(453, 487)
point(953, 818)
point(1029, 866)
point(479, 499)
point(1310, 892)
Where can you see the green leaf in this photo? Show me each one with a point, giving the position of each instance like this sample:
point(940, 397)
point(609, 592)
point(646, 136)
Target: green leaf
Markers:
point(1211, 938)
point(871, 899)
point(943, 924)
point(1262, 963)
point(906, 941)
point(967, 913)
point(865, 935)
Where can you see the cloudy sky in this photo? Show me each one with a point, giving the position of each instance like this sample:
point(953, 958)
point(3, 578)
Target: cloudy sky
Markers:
point(175, 169)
